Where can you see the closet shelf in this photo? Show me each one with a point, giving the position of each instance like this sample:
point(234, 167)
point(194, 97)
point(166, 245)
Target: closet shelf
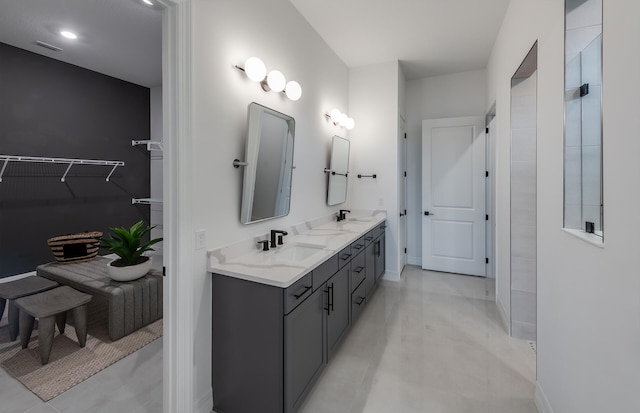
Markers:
point(5, 159)
point(150, 145)
point(145, 201)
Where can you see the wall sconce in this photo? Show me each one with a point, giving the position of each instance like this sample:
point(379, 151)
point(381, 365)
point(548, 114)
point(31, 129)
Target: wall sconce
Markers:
point(339, 118)
point(275, 81)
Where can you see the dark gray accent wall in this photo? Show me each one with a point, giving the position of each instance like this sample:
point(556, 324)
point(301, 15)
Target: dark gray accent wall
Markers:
point(53, 109)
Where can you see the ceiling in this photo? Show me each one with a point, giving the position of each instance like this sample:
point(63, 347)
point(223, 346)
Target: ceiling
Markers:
point(428, 37)
point(110, 33)
point(122, 38)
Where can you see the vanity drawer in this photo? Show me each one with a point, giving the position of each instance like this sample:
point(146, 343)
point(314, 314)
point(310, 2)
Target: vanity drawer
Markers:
point(358, 301)
point(370, 236)
point(297, 293)
point(325, 271)
point(357, 271)
point(358, 245)
point(344, 256)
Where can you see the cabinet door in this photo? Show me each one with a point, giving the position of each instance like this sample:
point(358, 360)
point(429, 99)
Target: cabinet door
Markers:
point(339, 304)
point(380, 256)
point(304, 331)
point(370, 269)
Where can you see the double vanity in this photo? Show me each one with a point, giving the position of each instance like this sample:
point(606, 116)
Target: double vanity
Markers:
point(279, 315)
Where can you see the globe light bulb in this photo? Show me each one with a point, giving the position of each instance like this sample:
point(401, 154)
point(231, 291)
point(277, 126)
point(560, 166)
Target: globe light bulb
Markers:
point(276, 81)
point(343, 119)
point(255, 69)
point(335, 115)
point(350, 124)
point(293, 90)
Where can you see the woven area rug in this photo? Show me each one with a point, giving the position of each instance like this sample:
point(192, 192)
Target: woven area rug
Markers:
point(69, 364)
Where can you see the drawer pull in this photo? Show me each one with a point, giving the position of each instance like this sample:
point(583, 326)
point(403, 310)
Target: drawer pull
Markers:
point(358, 247)
point(360, 301)
point(297, 296)
point(358, 270)
point(345, 257)
point(368, 239)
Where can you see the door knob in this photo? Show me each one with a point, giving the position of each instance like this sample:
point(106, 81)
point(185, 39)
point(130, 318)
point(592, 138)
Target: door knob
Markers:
point(427, 213)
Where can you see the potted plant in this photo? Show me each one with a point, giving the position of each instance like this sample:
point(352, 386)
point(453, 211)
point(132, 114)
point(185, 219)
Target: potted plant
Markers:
point(127, 244)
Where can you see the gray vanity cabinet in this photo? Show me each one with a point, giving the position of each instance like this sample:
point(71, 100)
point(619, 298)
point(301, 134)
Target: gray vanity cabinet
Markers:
point(370, 269)
point(339, 301)
point(304, 350)
point(270, 344)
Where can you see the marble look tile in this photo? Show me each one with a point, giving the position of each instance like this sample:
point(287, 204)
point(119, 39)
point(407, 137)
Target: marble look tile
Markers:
point(523, 307)
point(592, 117)
point(43, 408)
point(523, 274)
point(430, 343)
point(591, 176)
point(14, 397)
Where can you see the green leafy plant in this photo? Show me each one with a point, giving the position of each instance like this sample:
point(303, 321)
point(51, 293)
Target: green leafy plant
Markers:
point(127, 244)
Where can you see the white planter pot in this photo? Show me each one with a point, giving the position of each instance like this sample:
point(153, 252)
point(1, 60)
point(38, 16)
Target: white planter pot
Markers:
point(129, 273)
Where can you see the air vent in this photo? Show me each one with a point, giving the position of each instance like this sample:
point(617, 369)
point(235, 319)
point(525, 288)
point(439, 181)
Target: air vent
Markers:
point(48, 46)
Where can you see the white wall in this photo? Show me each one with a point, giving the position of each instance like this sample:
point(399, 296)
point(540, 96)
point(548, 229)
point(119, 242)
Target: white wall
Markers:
point(224, 33)
point(373, 103)
point(588, 297)
point(455, 95)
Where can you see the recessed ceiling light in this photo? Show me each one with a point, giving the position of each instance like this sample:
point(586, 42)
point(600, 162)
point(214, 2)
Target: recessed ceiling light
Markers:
point(149, 2)
point(68, 34)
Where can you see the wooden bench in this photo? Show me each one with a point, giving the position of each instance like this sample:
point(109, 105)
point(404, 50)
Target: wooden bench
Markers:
point(50, 307)
point(12, 290)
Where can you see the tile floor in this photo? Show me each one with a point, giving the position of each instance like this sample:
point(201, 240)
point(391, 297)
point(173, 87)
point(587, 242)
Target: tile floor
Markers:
point(432, 343)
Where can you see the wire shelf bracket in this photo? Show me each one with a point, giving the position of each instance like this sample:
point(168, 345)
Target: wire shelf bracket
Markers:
point(151, 145)
point(5, 159)
point(145, 201)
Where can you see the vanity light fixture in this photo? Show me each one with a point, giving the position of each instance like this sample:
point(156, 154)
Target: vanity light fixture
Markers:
point(148, 2)
point(275, 81)
point(68, 34)
point(342, 119)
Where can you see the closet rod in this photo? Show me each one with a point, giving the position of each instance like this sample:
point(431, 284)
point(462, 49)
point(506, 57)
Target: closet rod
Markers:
point(67, 161)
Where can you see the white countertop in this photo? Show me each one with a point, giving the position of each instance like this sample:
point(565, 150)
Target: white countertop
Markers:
point(313, 242)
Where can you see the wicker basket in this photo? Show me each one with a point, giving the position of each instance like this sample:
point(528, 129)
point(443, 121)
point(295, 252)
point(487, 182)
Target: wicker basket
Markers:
point(73, 248)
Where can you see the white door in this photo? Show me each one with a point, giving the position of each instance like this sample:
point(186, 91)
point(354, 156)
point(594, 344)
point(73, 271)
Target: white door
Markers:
point(453, 195)
point(402, 192)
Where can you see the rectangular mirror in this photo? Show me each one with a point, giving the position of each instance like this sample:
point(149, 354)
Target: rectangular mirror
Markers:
point(583, 201)
point(337, 193)
point(266, 189)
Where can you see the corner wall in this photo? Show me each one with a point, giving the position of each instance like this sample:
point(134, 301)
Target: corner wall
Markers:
point(374, 104)
point(588, 297)
point(226, 33)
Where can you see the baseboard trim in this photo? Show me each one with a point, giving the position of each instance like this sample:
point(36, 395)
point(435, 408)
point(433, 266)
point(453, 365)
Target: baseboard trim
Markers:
point(542, 403)
point(391, 276)
point(414, 261)
point(17, 277)
point(503, 315)
point(205, 404)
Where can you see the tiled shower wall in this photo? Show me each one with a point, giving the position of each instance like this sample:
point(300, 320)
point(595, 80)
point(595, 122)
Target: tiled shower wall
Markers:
point(523, 207)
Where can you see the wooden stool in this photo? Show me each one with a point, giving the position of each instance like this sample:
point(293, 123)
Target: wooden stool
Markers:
point(23, 287)
point(50, 307)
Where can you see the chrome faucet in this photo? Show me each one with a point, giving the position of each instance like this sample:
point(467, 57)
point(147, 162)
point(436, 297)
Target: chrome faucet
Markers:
point(341, 216)
point(280, 234)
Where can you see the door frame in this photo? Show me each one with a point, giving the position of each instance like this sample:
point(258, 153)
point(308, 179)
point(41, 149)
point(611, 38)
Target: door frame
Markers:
point(178, 292)
point(402, 200)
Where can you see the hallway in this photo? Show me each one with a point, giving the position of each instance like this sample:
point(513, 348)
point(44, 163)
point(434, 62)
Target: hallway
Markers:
point(431, 343)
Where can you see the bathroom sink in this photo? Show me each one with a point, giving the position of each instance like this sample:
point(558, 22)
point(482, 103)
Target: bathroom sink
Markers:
point(297, 252)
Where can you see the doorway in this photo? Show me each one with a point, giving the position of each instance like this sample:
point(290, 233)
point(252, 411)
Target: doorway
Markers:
point(453, 195)
point(524, 198)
